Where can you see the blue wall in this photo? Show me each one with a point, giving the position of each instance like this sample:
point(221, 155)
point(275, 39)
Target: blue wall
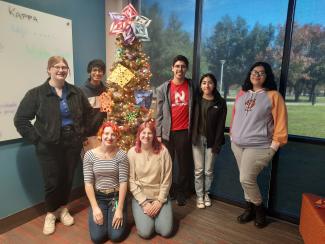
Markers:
point(21, 184)
point(226, 177)
point(300, 170)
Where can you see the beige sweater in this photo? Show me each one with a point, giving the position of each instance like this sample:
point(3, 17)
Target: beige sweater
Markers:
point(150, 175)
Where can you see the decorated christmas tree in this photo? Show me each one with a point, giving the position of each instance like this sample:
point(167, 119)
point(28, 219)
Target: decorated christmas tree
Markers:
point(128, 97)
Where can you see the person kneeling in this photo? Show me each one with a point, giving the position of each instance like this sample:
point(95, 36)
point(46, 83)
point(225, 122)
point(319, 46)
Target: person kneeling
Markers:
point(150, 180)
point(106, 175)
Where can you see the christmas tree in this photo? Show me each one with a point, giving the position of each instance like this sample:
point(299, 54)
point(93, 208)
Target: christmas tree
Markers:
point(128, 97)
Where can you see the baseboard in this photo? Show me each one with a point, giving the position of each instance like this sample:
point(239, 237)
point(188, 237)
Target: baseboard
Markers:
point(273, 214)
point(229, 201)
point(33, 212)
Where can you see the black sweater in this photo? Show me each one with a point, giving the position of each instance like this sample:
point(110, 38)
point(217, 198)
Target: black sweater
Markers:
point(93, 91)
point(215, 123)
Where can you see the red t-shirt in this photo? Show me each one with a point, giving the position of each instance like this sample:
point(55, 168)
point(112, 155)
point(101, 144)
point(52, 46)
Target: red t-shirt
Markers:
point(179, 95)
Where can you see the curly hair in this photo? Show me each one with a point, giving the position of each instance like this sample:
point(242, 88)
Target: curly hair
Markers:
point(114, 127)
point(96, 63)
point(269, 83)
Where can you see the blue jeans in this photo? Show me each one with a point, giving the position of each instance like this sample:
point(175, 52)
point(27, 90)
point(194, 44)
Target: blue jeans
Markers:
point(101, 233)
point(146, 226)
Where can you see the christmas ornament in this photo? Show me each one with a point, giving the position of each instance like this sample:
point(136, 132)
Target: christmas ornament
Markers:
point(121, 75)
point(130, 25)
point(106, 102)
point(143, 98)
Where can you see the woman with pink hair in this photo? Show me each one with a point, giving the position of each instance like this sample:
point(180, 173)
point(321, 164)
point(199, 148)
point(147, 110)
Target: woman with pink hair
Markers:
point(150, 179)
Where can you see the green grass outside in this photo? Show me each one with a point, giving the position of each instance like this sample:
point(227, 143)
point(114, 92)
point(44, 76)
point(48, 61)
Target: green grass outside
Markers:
point(304, 99)
point(304, 120)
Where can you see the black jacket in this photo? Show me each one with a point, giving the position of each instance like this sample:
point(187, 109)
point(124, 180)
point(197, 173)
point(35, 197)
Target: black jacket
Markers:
point(93, 91)
point(42, 103)
point(215, 123)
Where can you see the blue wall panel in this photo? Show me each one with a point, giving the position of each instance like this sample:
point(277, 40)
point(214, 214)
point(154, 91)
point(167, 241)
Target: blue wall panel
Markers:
point(226, 177)
point(21, 184)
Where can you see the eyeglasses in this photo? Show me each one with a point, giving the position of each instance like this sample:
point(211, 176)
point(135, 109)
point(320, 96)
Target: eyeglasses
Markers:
point(64, 68)
point(258, 74)
point(179, 66)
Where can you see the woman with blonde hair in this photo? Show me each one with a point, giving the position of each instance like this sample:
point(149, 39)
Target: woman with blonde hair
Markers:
point(62, 115)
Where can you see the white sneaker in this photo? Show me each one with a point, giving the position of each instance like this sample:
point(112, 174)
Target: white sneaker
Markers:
point(207, 200)
point(65, 217)
point(200, 202)
point(49, 224)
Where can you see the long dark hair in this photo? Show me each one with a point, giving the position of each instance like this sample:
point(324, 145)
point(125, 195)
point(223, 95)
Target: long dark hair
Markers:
point(269, 83)
point(215, 92)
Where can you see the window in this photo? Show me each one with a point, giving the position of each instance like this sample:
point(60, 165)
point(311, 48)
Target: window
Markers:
point(235, 34)
point(305, 94)
point(171, 32)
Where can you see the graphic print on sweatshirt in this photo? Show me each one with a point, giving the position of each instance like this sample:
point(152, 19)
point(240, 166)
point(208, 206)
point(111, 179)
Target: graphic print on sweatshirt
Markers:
point(179, 96)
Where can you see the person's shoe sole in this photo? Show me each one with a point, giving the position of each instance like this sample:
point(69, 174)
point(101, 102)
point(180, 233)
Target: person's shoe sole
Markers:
point(200, 206)
point(207, 204)
point(260, 225)
point(240, 219)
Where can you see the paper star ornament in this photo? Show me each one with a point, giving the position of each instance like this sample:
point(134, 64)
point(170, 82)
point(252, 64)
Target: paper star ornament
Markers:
point(121, 75)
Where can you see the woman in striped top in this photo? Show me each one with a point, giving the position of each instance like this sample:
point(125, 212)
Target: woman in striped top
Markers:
point(106, 174)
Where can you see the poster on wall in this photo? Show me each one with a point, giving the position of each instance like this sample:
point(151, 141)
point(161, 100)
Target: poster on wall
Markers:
point(27, 39)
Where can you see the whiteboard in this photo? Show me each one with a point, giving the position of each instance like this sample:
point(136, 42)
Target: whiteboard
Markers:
point(27, 39)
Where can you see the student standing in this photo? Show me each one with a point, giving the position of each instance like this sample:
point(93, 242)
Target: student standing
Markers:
point(62, 115)
point(208, 127)
point(175, 99)
point(93, 88)
point(259, 127)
